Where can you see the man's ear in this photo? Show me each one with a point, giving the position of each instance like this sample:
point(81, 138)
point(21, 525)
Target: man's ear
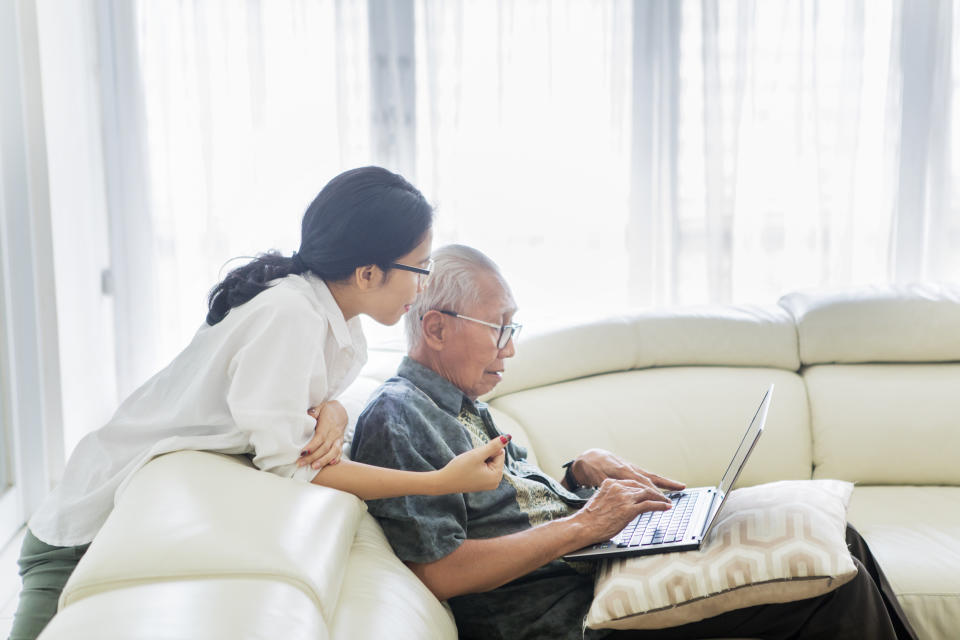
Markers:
point(435, 330)
point(367, 277)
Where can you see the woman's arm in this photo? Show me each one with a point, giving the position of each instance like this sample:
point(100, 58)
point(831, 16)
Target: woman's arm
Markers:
point(476, 470)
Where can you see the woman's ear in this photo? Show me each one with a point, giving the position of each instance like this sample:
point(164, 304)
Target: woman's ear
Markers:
point(435, 329)
point(368, 276)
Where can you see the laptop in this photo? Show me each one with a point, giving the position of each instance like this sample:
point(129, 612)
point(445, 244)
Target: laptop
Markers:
point(694, 512)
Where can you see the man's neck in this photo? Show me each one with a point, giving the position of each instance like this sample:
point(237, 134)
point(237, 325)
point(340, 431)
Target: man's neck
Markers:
point(426, 358)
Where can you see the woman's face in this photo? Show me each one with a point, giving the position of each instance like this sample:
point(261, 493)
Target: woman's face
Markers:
point(399, 288)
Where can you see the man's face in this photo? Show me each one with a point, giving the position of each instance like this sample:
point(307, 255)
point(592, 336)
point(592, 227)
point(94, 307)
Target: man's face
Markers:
point(471, 359)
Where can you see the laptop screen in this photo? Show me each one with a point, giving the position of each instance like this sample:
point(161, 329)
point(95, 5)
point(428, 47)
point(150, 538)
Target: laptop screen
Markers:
point(756, 425)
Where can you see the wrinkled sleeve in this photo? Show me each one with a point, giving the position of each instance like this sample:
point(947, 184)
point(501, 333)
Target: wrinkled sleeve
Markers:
point(271, 378)
point(394, 434)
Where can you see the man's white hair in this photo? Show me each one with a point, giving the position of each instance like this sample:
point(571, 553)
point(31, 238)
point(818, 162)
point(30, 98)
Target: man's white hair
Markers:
point(452, 285)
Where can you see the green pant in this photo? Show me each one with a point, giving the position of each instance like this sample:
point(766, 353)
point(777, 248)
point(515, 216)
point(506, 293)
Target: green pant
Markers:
point(44, 571)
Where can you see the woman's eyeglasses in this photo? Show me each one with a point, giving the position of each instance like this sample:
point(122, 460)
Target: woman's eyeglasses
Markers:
point(507, 331)
point(422, 272)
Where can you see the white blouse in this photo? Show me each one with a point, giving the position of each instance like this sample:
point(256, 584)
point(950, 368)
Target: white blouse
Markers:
point(241, 386)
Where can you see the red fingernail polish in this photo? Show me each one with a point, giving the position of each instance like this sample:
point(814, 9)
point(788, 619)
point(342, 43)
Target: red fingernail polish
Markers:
point(505, 439)
point(303, 453)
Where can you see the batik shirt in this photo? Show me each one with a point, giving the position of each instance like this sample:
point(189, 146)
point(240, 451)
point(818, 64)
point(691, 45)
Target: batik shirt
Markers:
point(419, 421)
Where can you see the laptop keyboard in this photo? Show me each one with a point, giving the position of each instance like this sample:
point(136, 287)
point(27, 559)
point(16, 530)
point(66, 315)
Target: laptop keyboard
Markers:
point(660, 527)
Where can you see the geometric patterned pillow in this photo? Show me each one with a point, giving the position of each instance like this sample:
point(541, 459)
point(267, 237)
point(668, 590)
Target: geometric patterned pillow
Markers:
point(776, 542)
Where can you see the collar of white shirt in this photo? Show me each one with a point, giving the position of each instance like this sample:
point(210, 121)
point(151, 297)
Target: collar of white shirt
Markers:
point(347, 333)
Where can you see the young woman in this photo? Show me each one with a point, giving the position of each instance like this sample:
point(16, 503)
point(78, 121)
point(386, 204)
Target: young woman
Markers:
point(282, 337)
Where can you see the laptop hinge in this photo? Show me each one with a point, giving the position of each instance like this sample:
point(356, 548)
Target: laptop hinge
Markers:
point(715, 499)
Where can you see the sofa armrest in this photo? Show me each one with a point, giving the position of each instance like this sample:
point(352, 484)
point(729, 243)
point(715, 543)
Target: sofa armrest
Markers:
point(209, 608)
point(197, 515)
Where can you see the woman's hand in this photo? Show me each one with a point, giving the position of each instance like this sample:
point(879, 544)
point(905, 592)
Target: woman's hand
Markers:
point(326, 446)
point(477, 470)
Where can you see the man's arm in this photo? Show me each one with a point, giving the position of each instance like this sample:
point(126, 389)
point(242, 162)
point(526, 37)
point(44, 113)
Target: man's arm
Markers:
point(482, 565)
point(397, 431)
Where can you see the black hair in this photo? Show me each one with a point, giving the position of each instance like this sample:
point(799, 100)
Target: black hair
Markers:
point(363, 216)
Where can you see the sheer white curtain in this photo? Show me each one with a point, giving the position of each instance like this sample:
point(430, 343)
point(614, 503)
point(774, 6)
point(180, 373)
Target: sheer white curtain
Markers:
point(925, 234)
point(608, 154)
point(247, 110)
point(829, 153)
point(785, 152)
point(523, 131)
point(652, 152)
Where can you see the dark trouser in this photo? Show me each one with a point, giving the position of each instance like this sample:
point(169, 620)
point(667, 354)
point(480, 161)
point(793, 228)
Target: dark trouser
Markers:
point(865, 607)
point(860, 551)
point(44, 571)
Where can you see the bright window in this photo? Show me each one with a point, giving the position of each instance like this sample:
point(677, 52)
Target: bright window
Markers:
point(746, 150)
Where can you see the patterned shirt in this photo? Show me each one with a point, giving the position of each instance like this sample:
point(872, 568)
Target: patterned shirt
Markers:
point(538, 495)
point(419, 421)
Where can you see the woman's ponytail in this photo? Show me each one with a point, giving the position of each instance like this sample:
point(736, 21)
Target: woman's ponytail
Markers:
point(363, 216)
point(243, 283)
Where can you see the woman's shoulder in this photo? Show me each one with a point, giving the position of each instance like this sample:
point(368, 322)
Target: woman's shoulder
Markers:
point(289, 302)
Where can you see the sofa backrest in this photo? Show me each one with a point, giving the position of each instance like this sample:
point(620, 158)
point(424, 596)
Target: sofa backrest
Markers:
point(671, 391)
point(746, 336)
point(882, 371)
point(191, 511)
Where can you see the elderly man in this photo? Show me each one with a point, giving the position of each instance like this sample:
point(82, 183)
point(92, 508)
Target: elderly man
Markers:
point(496, 555)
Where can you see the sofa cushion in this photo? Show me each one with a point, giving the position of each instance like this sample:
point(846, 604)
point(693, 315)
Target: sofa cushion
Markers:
point(197, 515)
point(886, 424)
point(911, 323)
point(914, 533)
point(778, 542)
point(207, 608)
point(376, 580)
point(682, 422)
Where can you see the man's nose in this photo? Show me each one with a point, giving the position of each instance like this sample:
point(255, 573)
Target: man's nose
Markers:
point(509, 350)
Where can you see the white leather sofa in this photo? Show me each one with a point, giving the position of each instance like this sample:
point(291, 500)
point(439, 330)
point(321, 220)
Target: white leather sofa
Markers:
point(867, 390)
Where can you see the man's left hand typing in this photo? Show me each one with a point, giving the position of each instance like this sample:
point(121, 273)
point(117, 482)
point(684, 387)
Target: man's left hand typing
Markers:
point(593, 466)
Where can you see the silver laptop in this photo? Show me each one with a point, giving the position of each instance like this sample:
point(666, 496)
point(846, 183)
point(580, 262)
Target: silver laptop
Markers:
point(694, 512)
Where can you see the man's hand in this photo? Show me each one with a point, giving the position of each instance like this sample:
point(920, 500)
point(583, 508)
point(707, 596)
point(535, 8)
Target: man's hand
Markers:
point(593, 466)
point(616, 503)
point(482, 564)
point(326, 446)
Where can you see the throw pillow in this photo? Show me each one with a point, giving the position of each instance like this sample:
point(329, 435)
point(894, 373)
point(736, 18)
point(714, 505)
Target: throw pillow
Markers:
point(775, 542)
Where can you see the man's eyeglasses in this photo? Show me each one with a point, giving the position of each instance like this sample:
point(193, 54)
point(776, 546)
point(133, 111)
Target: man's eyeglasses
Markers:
point(507, 331)
point(422, 272)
